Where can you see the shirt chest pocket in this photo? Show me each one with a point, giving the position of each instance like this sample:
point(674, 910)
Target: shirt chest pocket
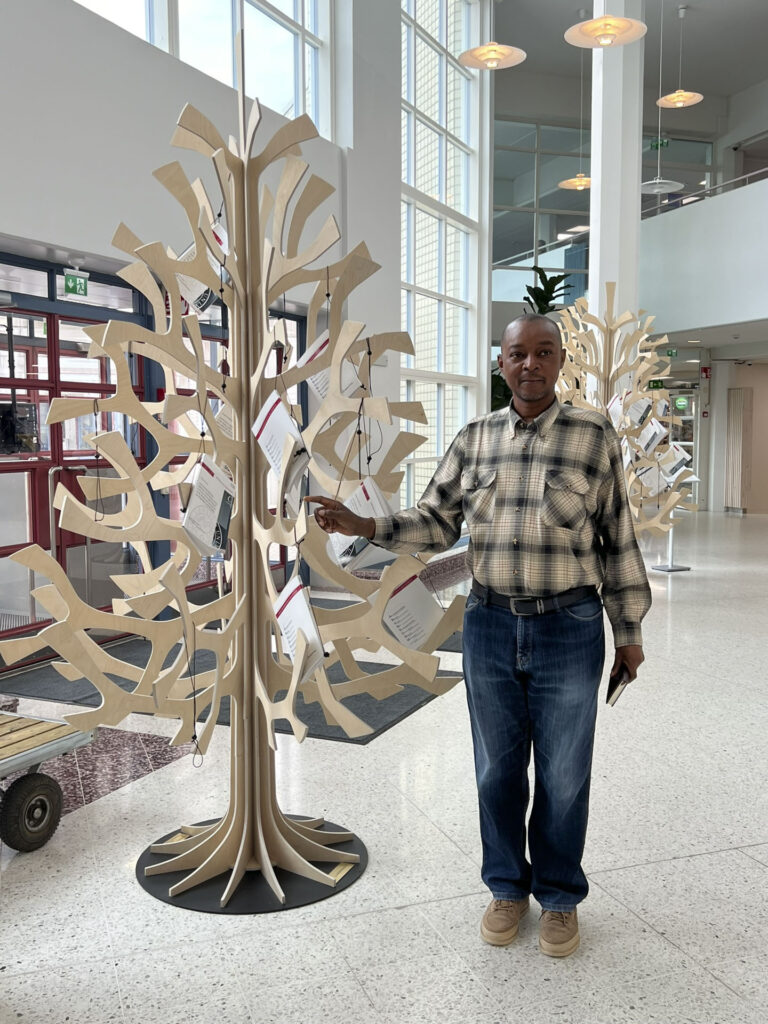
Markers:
point(564, 503)
point(478, 495)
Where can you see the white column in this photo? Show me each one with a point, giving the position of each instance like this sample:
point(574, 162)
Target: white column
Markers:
point(617, 119)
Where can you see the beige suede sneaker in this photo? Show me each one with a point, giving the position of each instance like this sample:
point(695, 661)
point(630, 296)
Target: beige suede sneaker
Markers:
point(558, 932)
point(501, 921)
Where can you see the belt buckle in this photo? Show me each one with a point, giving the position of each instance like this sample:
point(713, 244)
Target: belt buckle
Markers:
point(516, 610)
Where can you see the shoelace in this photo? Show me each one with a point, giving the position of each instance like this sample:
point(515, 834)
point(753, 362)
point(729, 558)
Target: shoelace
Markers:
point(562, 914)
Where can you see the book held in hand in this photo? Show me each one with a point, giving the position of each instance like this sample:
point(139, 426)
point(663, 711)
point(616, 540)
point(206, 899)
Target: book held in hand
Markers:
point(617, 685)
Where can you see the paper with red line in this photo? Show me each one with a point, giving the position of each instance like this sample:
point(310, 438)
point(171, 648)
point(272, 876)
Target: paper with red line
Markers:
point(273, 425)
point(365, 501)
point(209, 508)
point(293, 613)
point(320, 382)
point(412, 613)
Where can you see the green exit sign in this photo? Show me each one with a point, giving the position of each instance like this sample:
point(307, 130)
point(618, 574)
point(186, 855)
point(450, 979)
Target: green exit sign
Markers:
point(655, 385)
point(75, 284)
point(672, 353)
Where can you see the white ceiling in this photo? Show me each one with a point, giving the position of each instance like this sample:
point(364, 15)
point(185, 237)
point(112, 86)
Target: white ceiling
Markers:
point(724, 41)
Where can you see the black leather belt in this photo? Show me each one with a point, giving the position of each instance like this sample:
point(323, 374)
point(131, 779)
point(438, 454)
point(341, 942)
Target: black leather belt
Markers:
point(533, 605)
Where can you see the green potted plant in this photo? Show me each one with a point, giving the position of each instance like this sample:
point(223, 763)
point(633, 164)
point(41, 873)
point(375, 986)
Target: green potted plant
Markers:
point(542, 299)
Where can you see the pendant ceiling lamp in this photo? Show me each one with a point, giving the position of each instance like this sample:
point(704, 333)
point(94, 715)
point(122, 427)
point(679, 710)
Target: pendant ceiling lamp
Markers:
point(492, 57)
point(659, 186)
point(581, 181)
point(680, 97)
point(604, 32)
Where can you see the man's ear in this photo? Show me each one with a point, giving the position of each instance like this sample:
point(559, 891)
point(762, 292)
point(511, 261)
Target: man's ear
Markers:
point(499, 360)
point(562, 358)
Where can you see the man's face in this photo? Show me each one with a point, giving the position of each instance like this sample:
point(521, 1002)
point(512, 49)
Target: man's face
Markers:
point(530, 362)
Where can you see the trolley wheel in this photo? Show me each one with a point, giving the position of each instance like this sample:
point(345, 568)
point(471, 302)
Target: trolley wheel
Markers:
point(30, 811)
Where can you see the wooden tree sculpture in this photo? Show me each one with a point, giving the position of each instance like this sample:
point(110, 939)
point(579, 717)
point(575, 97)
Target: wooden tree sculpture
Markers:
point(609, 364)
point(261, 261)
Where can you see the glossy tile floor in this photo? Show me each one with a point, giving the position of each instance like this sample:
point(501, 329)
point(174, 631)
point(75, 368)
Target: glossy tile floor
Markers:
point(675, 929)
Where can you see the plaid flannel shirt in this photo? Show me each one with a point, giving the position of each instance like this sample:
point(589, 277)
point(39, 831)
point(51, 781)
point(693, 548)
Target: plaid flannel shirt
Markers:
point(546, 508)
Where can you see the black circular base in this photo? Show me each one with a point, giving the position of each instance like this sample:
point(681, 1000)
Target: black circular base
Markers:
point(253, 895)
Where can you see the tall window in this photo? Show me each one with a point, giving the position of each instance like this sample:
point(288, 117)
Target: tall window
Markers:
point(536, 223)
point(440, 219)
point(286, 45)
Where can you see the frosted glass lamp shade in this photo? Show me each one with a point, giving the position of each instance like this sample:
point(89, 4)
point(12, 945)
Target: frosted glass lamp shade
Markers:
point(606, 31)
point(579, 183)
point(660, 187)
point(679, 98)
point(492, 57)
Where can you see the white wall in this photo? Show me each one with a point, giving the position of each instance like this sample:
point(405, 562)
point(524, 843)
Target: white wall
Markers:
point(84, 132)
point(703, 264)
point(93, 122)
point(747, 117)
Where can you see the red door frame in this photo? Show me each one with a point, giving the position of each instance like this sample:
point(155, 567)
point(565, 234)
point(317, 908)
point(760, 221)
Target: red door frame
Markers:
point(38, 465)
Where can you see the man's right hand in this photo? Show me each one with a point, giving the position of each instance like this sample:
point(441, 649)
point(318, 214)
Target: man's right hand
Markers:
point(333, 517)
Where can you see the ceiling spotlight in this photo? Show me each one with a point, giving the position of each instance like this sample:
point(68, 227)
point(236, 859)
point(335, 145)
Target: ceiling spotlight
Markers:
point(606, 31)
point(492, 57)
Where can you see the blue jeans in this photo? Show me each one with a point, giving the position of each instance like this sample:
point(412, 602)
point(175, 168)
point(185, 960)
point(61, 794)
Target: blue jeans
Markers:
point(533, 681)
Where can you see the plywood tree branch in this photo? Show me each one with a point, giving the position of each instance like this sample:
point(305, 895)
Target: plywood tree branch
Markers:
point(269, 250)
point(609, 364)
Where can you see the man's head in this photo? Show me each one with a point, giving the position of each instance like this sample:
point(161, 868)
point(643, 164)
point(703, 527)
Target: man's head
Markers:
point(531, 358)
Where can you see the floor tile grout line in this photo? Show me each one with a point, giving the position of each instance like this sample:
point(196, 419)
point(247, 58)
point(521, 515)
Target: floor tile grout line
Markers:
point(752, 846)
point(671, 860)
point(666, 938)
point(123, 1014)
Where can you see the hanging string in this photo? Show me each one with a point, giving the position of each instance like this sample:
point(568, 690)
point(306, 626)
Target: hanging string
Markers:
point(661, 50)
point(350, 446)
point(203, 433)
point(370, 454)
point(581, 110)
point(223, 365)
point(198, 754)
point(98, 513)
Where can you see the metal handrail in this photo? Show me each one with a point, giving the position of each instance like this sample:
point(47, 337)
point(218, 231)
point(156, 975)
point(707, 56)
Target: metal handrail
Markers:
point(661, 207)
point(724, 184)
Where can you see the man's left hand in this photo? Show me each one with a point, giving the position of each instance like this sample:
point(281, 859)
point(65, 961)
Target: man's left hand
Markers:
point(631, 657)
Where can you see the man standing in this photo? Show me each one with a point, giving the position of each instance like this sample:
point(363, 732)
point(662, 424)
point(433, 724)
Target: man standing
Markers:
point(541, 488)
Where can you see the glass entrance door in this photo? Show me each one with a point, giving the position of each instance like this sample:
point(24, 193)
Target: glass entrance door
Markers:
point(43, 357)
